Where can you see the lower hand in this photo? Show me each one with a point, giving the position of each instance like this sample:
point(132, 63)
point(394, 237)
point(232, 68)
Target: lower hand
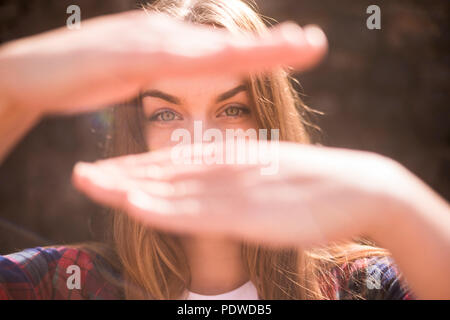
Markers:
point(319, 194)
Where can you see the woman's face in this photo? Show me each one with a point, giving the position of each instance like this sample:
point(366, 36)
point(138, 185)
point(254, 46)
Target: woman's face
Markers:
point(219, 102)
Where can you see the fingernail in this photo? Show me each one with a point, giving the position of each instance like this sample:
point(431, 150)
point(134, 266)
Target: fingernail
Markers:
point(83, 169)
point(315, 36)
point(292, 32)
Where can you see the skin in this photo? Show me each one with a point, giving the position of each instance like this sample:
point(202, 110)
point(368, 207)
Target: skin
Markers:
point(366, 194)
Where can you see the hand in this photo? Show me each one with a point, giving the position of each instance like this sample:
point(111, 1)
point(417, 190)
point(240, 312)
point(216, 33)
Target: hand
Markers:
point(319, 194)
point(112, 57)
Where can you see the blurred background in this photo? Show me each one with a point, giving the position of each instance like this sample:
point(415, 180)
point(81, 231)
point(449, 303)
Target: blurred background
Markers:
point(380, 90)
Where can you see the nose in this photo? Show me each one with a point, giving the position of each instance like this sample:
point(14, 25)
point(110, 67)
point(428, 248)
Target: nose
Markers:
point(202, 129)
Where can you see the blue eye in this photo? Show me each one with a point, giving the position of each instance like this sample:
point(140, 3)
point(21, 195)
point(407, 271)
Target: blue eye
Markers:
point(165, 116)
point(234, 111)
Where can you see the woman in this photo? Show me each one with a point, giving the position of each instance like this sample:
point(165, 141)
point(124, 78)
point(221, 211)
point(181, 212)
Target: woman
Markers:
point(212, 232)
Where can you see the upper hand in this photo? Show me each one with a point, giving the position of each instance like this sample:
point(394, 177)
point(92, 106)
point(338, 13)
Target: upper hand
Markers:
point(112, 57)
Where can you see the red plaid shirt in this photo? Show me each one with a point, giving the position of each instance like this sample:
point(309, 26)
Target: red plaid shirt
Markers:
point(43, 273)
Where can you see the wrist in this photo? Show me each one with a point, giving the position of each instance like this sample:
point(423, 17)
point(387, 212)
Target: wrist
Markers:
point(407, 205)
point(396, 209)
point(12, 63)
point(416, 232)
point(14, 124)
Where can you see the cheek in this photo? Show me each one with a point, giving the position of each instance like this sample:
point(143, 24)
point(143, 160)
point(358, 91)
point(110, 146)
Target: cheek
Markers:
point(249, 123)
point(159, 137)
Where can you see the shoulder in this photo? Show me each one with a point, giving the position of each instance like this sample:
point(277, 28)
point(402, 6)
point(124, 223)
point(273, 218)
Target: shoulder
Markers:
point(61, 272)
point(371, 278)
point(27, 274)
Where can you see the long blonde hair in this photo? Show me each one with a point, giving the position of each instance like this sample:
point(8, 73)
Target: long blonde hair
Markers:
point(152, 262)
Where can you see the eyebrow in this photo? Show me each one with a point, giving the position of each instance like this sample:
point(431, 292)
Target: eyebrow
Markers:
point(172, 99)
point(161, 95)
point(231, 93)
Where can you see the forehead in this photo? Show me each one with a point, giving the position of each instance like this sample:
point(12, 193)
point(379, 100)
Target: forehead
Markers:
point(196, 87)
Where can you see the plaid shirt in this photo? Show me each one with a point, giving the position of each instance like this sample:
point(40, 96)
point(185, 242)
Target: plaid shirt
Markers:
point(43, 273)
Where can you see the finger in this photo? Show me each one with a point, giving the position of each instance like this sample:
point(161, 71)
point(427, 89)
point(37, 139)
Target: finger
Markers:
point(109, 186)
point(202, 50)
point(189, 215)
point(167, 166)
point(100, 187)
point(174, 216)
point(287, 45)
